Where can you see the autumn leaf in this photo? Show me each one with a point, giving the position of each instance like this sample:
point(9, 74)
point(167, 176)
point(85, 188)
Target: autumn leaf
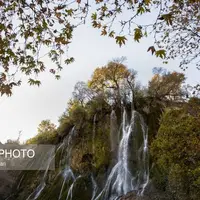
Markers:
point(6, 89)
point(147, 2)
point(167, 18)
point(96, 24)
point(52, 71)
point(152, 49)
point(58, 14)
point(104, 32)
point(2, 77)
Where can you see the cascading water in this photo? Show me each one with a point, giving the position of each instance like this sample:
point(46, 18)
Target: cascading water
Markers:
point(129, 167)
point(70, 191)
point(68, 175)
point(67, 172)
point(94, 187)
point(40, 188)
point(131, 170)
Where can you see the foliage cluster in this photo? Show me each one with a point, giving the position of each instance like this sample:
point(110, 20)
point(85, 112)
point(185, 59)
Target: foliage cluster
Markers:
point(30, 30)
point(47, 134)
point(176, 150)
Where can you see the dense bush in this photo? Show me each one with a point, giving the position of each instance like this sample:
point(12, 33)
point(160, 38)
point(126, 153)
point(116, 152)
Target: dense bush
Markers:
point(47, 134)
point(65, 125)
point(176, 151)
point(44, 138)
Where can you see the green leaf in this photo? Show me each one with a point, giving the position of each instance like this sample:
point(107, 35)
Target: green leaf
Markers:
point(94, 16)
point(111, 34)
point(121, 40)
point(57, 77)
point(69, 60)
point(141, 10)
point(161, 53)
point(36, 70)
point(137, 34)
point(70, 12)
point(34, 82)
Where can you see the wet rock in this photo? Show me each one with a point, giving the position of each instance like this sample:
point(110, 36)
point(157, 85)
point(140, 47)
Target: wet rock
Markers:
point(82, 188)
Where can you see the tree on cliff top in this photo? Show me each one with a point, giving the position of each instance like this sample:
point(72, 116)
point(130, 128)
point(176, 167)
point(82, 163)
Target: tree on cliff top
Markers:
point(47, 134)
point(167, 85)
point(115, 81)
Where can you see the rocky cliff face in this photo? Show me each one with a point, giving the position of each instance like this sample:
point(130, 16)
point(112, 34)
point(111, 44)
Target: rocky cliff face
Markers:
point(7, 181)
point(150, 193)
point(150, 196)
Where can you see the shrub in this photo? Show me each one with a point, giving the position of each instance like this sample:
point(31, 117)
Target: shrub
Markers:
point(176, 151)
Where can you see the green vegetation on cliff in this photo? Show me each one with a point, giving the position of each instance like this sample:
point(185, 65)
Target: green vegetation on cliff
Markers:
point(176, 150)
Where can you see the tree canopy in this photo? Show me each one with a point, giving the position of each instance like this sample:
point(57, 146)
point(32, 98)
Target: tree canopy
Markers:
point(30, 30)
point(167, 85)
point(47, 134)
point(115, 81)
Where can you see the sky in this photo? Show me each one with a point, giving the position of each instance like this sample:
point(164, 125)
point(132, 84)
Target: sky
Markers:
point(28, 106)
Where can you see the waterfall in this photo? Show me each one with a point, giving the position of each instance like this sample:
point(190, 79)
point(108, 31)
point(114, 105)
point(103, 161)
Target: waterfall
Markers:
point(68, 175)
point(70, 191)
point(145, 158)
point(66, 147)
point(131, 170)
point(94, 187)
point(20, 181)
point(42, 185)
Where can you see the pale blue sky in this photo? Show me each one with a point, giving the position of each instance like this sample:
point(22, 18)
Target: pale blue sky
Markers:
point(28, 106)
